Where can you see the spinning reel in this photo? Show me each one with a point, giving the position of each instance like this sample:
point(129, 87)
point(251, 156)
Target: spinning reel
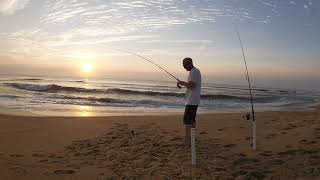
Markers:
point(247, 116)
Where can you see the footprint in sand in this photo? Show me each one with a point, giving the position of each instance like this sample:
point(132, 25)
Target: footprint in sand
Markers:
point(287, 128)
point(241, 155)
point(52, 156)
point(275, 162)
point(18, 170)
point(1, 154)
point(293, 125)
point(43, 160)
point(269, 136)
point(254, 174)
point(38, 155)
point(315, 156)
point(290, 152)
point(228, 146)
point(303, 141)
point(64, 172)
point(16, 155)
point(312, 171)
point(311, 151)
point(245, 160)
point(176, 139)
point(312, 142)
point(266, 153)
point(71, 148)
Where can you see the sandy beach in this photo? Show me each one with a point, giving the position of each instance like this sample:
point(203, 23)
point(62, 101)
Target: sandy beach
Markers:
point(105, 148)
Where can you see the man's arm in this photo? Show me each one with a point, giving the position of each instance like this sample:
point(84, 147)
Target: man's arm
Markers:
point(189, 85)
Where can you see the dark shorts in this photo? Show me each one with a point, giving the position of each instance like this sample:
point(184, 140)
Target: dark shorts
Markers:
point(190, 114)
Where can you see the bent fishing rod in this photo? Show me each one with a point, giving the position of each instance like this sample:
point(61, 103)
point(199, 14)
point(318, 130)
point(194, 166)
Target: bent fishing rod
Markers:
point(148, 60)
point(247, 115)
point(247, 71)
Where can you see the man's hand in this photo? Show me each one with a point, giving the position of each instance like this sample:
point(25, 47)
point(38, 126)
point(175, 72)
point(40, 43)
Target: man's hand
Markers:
point(189, 84)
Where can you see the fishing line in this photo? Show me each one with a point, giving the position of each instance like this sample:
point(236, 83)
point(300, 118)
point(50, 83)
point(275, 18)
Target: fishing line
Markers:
point(148, 60)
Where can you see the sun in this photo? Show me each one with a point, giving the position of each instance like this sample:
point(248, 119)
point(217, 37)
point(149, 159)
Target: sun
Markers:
point(87, 68)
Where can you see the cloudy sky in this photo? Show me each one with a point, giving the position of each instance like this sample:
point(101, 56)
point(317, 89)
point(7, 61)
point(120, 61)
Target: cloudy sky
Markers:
point(55, 37)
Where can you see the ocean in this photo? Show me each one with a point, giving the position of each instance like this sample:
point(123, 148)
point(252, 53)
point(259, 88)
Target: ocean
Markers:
point(89, 97)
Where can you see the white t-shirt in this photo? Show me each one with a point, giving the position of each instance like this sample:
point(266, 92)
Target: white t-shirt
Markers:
point(193, 95)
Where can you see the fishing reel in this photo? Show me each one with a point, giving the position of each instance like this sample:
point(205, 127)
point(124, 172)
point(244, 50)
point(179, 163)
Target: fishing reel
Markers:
point(247, 116)
point(178, 84)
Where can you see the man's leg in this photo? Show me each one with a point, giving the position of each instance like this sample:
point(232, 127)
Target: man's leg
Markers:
point(190, 122)
point(194, 115)
point(187, 125)
point(188, 136)
point(194, 125)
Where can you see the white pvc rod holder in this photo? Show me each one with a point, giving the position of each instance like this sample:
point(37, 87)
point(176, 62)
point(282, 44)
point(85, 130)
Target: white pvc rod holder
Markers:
point(193, 146)
point(254, 135)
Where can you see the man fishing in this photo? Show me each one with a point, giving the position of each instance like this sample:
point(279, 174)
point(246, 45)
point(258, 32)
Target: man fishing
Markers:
point(192, 97)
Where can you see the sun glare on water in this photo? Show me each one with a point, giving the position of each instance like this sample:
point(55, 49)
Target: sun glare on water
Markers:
point(85, 111)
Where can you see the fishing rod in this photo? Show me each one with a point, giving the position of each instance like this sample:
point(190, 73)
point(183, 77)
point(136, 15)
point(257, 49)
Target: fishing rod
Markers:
point(248, 115)
point(148, 60)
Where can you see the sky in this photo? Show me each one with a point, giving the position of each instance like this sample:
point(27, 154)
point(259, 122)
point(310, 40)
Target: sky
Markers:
point(56, 37)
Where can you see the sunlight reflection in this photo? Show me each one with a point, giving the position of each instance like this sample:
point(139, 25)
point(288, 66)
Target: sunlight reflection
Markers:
point(85, 111)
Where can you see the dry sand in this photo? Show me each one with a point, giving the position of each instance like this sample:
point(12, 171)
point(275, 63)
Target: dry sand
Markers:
point(105, 148)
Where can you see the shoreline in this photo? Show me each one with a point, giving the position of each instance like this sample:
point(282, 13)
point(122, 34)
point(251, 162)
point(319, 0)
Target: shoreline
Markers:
point(293, 108)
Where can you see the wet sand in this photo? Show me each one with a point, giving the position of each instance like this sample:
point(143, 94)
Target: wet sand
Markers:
point(150, 147)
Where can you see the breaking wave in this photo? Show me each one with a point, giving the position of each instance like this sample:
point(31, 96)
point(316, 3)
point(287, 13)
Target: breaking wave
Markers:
point(53, 88)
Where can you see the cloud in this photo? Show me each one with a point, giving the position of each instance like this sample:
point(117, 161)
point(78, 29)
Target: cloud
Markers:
point(129, 16)
point(71, 24)
point(8, 7)
point(293, 3)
